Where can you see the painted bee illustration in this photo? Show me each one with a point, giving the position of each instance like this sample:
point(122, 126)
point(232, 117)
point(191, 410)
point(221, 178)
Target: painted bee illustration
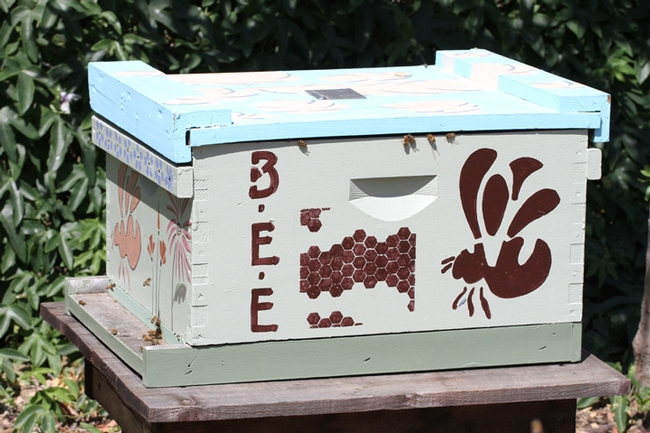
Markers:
point(507, 278)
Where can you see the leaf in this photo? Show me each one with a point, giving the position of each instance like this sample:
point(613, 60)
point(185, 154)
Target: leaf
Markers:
point(9, 370)
point(90, 428)
point(17, 167)
point(58, 145)
point(112, 20)
point(25, 92)
point(8, 260)
point(587, 402)
point(16, 239)
point(66, 253)
point(5, 5)
point(5, 33)
point(55, 288)
point(643, 72)
point(14, 313)
point(13, 354)
point(48, 424)
point(72, 386)
point(38, 345)
point(78, 194)
point(619, 407)
point(26, 421)
point(7, 137)
point(60, 394)
point(16, 200)
point(104, 44)
point(27, 38)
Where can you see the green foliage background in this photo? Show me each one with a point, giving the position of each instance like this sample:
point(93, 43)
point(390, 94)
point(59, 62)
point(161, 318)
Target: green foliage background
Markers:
point(52, 180)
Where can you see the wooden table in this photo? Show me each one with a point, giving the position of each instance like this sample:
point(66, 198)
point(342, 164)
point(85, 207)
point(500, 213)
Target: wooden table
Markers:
point(478, 400)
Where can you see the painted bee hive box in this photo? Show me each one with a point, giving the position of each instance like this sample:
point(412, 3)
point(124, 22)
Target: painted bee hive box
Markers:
point(275, 225)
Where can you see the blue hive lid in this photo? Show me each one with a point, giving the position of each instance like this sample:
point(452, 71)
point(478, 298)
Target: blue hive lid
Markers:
point(469, 90)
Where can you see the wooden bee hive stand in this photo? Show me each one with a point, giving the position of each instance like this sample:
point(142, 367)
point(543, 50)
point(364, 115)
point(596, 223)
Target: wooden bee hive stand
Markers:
point(506, 399)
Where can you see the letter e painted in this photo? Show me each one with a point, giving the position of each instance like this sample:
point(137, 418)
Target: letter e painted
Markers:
point(257, 306)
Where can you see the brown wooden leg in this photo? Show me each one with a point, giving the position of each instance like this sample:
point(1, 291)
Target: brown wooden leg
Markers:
point(555, 416)
point(129, 420)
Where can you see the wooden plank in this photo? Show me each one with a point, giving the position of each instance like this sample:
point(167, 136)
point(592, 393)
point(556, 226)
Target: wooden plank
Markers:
point(114, 325)
point(360, 355)
point(181, 365)
point(590, 377)
point(556, 417)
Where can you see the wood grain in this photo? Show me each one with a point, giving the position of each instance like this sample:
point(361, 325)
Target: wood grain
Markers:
point(590, 377)
point(555, 416)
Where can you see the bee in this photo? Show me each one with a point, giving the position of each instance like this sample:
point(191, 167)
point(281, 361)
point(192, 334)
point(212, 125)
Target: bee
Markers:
point(146, 338)
point(110, 286)
point(302, 143)
point(451, 137)
point(155, 320)
point(114, 331)
point(431, 138)
point(82, 302)
point(408, 139)
point(147, 282)
point(151, 333)
point(141, 348)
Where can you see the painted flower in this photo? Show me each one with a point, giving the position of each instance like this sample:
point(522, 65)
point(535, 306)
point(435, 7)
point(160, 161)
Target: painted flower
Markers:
point(148, 163)
point(169, 178)
point(126, 234)
point(163, 252)
point(179, 237)
point(151, 247)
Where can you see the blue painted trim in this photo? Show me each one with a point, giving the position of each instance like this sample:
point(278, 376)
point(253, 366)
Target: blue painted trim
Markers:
point(426, 124)
point(471, 90)
point(531, 84)
point(131, 95)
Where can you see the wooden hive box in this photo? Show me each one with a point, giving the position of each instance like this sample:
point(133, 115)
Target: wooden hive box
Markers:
point(275, 225)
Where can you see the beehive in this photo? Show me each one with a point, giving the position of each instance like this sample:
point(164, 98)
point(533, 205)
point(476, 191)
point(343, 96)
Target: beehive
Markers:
point(337, 222)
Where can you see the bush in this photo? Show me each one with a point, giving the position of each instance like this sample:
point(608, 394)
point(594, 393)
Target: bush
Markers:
point(52, 180)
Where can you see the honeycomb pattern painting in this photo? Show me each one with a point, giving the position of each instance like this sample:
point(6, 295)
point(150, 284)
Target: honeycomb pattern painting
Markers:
point(311, 218)
point(361, 259)
point(335, 320)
